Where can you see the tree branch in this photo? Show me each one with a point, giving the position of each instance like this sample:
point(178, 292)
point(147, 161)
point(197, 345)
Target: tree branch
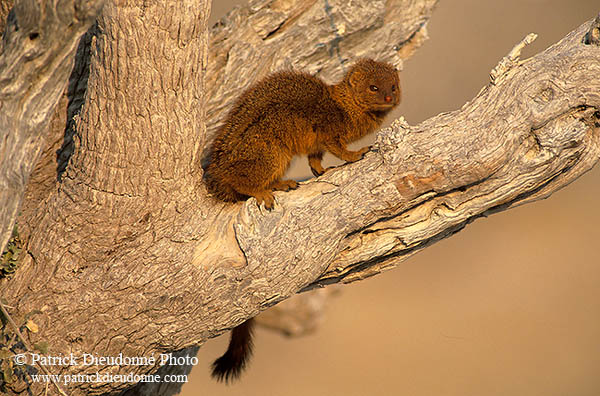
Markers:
point(128, 257)
point(533, 131)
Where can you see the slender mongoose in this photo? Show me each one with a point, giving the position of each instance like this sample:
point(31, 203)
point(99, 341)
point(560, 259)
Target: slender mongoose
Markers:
point(283, 115)
point(293, 113)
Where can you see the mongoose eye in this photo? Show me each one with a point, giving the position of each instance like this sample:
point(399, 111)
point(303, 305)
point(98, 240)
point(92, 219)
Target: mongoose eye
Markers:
point(373, 88)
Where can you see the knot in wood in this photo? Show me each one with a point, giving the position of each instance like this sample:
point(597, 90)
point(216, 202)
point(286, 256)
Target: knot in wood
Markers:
point(412, 185)
point(545, 95)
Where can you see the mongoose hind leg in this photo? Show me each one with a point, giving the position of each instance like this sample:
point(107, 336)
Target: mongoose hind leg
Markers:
point(266, 195)
point(261, 195)
point(260, 173)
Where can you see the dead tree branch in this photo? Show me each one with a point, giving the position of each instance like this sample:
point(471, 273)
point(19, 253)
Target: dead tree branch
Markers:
point(130, 255)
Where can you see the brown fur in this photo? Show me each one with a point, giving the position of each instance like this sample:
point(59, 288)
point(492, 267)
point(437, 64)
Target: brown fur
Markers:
point(293, 113)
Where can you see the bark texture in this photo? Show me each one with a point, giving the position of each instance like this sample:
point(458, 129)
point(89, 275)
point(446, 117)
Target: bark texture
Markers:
point(129, 255)
point(36, 59)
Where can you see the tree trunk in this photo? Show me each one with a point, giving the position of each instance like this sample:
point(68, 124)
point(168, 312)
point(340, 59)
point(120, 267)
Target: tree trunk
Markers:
point(127, 253)
point(35, 62)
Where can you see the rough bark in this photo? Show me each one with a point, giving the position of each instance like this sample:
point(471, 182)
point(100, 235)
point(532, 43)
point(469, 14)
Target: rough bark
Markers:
point(35, 61)
point(130, 255)
point(5, 7)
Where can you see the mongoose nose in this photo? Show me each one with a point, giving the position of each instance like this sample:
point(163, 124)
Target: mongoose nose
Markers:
point(388, 98)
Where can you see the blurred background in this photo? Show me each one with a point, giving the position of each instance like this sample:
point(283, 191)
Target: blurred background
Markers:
point(508, 306)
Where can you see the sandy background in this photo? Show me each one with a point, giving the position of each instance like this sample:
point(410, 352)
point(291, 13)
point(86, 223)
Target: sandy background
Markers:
point(509, 306)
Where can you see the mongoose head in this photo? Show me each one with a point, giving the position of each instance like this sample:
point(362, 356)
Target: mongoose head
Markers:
point(375, 85)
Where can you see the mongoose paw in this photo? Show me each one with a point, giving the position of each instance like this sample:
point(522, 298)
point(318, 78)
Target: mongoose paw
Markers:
point(285, 185)
point(265, 197)
point(317, 172)
point(323, 171)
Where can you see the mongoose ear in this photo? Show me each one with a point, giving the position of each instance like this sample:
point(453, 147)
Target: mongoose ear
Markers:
point(355, 77)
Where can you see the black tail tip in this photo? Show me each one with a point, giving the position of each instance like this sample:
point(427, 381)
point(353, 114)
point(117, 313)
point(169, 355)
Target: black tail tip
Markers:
point(225, 369)
point(229, 367)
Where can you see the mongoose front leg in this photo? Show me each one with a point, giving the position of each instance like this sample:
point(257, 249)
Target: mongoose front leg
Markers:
point(339, 150)
point(314, 161)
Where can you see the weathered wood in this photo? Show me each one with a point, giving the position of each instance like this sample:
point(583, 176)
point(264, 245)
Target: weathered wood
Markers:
point(5, 7)
point(78, 218)
point(35, 61)
point(130, 255)
point(532, 131)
